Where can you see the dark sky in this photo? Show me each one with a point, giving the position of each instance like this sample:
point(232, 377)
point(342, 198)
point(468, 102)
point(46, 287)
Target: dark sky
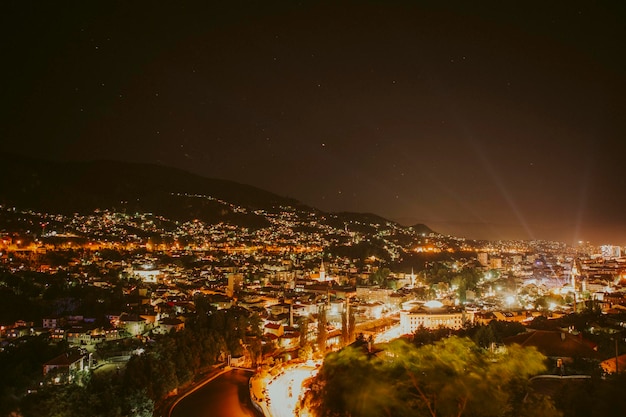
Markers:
point(491, 120)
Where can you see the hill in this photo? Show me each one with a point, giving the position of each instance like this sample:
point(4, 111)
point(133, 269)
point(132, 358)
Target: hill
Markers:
point(120, 201)
point(82, 187)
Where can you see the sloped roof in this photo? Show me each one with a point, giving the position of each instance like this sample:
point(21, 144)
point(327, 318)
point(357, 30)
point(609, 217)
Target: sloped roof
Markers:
point(168, 321)
point(555, 343)
point(608, 365)
point(65, 359)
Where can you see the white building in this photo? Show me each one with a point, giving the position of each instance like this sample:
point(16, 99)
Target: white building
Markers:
point(432, 315)
point(149, 276)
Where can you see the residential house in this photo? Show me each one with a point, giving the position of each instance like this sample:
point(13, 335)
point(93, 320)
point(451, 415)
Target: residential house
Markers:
point(168, 324)
point(562, 346)
point(64, 367)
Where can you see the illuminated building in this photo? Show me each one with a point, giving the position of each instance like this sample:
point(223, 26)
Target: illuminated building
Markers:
point(483, 258)
point(610, 251)
point(432, 315)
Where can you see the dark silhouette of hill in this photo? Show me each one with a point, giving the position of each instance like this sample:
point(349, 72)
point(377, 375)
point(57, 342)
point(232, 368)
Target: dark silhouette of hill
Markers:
point(85, 186)
point(80, 187)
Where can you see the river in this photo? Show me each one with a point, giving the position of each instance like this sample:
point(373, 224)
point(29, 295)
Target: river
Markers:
point(225, 396)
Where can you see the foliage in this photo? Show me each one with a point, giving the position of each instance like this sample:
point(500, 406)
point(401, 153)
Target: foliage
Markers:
point(443, 276)
point(175, 359)
point(494, 332)
point(31, 295)
point(452, 377)
point(594, 397)
point(102, 397)
point(424, 336)
point(20, 365)
point(483, 335)
point(351, 325)
point(322, 333)
point(380, 277)
point(344, 328)
point(303, 326)
point(305, 352)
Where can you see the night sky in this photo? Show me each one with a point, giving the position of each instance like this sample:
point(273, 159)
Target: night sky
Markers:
point(492, 120)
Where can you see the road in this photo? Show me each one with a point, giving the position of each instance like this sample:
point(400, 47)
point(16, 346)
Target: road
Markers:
point(284, 390)
point(226, 396)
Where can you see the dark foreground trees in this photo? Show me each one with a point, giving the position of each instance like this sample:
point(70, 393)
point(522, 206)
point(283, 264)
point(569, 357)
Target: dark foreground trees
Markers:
point(452, 377)
point(102, 397)
point(167, 362)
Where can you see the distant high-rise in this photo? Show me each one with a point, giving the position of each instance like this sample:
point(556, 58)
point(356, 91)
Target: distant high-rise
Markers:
point(610, 251)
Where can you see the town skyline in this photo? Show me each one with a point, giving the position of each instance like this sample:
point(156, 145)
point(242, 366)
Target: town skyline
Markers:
point(117, 295)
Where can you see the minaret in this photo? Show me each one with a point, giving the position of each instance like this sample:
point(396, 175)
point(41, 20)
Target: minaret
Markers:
point(412, 278)
point(322, 272)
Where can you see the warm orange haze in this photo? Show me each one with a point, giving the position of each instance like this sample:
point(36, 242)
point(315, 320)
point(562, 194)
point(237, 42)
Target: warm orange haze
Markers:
point(313, 209)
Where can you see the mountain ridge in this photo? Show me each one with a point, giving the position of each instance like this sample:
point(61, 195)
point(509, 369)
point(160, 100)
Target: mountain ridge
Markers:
point(70, 187)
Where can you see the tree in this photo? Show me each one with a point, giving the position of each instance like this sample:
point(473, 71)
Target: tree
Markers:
point(459, 281)
point(344, 328)
point(255, 349)
point(322, 334)
point(303, 327)
point(137, 404)
point(349, 385)
point(380, 277)
point(484, 337)
point(595, 397)
point(351, 326)
point(452, 377)
point(305, 352)
point(423, 336)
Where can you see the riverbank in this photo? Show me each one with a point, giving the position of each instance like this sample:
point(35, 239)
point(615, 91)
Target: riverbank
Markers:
point(257, 389)
point(278, 392)
point(165, 407)
point(257, 394)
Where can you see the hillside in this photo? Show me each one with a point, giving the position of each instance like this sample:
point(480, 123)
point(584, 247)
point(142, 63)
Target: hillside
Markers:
point(82, 187)
point(130, 202)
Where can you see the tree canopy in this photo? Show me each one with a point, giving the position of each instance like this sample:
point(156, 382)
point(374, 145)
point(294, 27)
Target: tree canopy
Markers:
point(452, 377)
point(174, 360)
